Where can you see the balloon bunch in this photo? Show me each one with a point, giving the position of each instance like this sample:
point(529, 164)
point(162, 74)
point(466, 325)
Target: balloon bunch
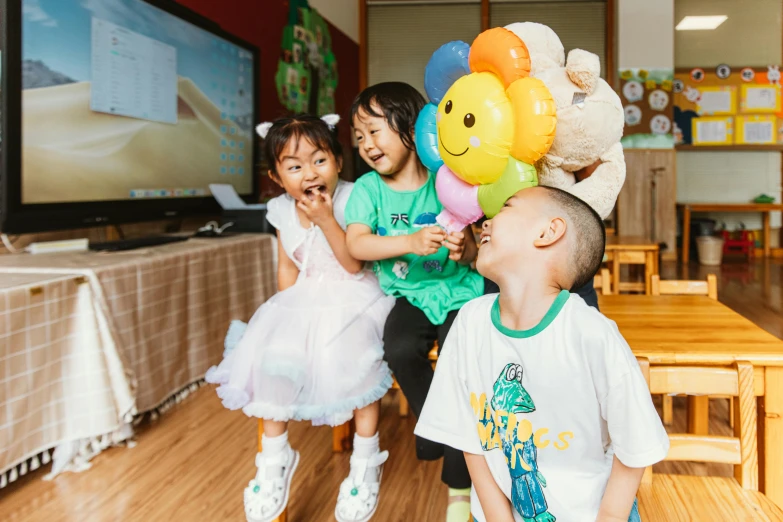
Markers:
point(487, 123)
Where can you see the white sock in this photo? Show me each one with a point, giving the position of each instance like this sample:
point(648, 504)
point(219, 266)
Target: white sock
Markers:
point(365, 447)
point(273, 445)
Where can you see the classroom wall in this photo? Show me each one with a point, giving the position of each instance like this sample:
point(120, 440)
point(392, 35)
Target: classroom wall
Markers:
point(645, 33)
point(749, 37)
point(645, 40)
point(343, 14)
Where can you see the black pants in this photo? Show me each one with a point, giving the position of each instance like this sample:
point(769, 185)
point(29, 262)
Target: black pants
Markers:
point(408, 339)
point(587, 292)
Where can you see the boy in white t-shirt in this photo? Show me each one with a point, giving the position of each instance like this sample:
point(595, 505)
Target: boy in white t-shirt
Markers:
point(539, 390)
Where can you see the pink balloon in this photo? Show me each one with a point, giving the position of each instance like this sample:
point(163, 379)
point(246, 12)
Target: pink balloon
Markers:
point(459, 200)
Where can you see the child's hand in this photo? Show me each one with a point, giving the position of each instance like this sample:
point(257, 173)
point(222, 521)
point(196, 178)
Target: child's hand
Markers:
point(455, 242)
point(318, 210)
point(426, 241)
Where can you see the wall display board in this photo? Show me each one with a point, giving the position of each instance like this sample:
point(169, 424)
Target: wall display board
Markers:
point(647, 103)
point(728, 107)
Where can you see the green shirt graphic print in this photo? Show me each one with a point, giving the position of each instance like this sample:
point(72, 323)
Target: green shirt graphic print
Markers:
point(434, 284)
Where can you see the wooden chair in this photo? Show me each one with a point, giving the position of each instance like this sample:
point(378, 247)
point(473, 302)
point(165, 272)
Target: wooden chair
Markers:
point(672, 498)
point(699, 406)
point(603, 282)
point(708, 287)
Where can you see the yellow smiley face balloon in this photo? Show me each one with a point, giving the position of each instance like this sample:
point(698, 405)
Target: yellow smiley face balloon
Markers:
point(494, 114)
point(476, 128)
point(488, 122)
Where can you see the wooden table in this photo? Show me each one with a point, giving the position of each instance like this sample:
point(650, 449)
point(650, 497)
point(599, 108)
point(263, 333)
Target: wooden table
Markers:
point(632, 250)
point(687, 208)
point(699, 330)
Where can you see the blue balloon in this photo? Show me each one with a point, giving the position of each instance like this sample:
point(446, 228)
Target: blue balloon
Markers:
point(447, 65)
point(427, 137)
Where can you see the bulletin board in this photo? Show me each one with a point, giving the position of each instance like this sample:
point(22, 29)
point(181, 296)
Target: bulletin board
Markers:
point(646, 95)
point(728, 107)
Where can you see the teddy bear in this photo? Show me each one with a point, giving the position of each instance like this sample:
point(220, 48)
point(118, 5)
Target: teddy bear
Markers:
point(586, 157)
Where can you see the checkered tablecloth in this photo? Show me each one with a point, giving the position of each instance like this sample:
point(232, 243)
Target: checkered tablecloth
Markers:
point(60, 375)
point(89, 340)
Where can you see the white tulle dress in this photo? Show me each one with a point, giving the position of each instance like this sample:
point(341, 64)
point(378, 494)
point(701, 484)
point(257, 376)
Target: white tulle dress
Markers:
point(315, 350)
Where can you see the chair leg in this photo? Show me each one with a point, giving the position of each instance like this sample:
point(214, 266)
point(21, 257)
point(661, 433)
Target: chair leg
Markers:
point(668, 410)
point(698, 415)
point(404, 406)
point(342, 437)
point(731, 412)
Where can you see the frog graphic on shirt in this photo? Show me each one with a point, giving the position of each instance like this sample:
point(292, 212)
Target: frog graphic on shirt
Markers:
point(527, 483)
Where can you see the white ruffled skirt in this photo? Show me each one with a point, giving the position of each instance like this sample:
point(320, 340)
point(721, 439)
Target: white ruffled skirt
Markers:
point(311, 352)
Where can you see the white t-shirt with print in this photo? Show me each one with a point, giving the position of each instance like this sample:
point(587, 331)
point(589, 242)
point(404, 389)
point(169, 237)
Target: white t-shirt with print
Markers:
point(547, 407)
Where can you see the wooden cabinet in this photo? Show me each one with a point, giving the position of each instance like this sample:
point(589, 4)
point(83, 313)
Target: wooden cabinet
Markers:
point(634, 211)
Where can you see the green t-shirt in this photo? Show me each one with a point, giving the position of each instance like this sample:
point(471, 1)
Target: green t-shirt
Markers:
point(435, 284)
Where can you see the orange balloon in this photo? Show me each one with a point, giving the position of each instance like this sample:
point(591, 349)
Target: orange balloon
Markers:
point(535, 119)
point(501, 52)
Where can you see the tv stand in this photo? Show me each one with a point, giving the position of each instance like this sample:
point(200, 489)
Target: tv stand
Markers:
point(132, 244)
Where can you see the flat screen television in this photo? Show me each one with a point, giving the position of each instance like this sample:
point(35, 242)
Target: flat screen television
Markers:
point(116, 111)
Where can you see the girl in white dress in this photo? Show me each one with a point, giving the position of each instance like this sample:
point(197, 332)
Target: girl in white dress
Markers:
point(314, 351)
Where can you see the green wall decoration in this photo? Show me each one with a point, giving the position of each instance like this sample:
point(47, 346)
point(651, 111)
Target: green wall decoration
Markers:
point(306, 76)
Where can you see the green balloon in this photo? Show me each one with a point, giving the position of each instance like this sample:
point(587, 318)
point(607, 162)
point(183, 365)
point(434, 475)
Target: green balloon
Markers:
point(517, 176)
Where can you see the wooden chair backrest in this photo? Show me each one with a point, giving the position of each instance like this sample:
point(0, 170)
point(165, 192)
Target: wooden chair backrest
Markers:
point(708, 287)
point(603, 282)
point(735, 381)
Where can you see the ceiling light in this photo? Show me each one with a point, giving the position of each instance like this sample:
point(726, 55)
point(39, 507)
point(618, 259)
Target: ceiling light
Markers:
point(700, 23)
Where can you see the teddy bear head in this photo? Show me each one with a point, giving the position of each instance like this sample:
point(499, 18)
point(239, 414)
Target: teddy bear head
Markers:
point(589, 112)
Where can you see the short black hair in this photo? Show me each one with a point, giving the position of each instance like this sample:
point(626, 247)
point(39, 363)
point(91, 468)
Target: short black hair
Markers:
point(307, 126)
point(399, 103)
point(589, 236)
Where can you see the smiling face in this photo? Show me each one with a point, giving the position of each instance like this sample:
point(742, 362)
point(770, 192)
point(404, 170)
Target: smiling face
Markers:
point(380, 146)
point(303, 169)
point(507, 240)
point(475, 131)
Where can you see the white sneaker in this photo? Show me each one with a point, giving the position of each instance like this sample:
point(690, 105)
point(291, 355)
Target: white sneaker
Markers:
point(266, 496)
point(358, 497)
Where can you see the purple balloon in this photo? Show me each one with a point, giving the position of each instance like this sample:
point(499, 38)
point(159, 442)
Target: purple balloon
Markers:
point(447, 65)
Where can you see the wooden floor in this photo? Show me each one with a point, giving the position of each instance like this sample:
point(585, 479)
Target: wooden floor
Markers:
point(192, 464)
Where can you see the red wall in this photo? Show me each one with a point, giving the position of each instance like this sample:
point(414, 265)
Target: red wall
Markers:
point(261, 23)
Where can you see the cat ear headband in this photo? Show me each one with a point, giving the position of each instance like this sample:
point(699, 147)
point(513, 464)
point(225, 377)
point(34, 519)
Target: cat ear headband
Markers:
point(330, 119)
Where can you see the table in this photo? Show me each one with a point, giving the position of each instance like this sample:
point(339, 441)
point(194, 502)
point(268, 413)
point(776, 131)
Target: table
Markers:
point(61, 378)
point(763, 208)
point(168, 307)
point(157, 316)
point(632, 250)
point(702, 331)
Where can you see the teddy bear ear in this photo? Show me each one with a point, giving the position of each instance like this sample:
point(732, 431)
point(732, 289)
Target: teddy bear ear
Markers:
point(584, 69)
